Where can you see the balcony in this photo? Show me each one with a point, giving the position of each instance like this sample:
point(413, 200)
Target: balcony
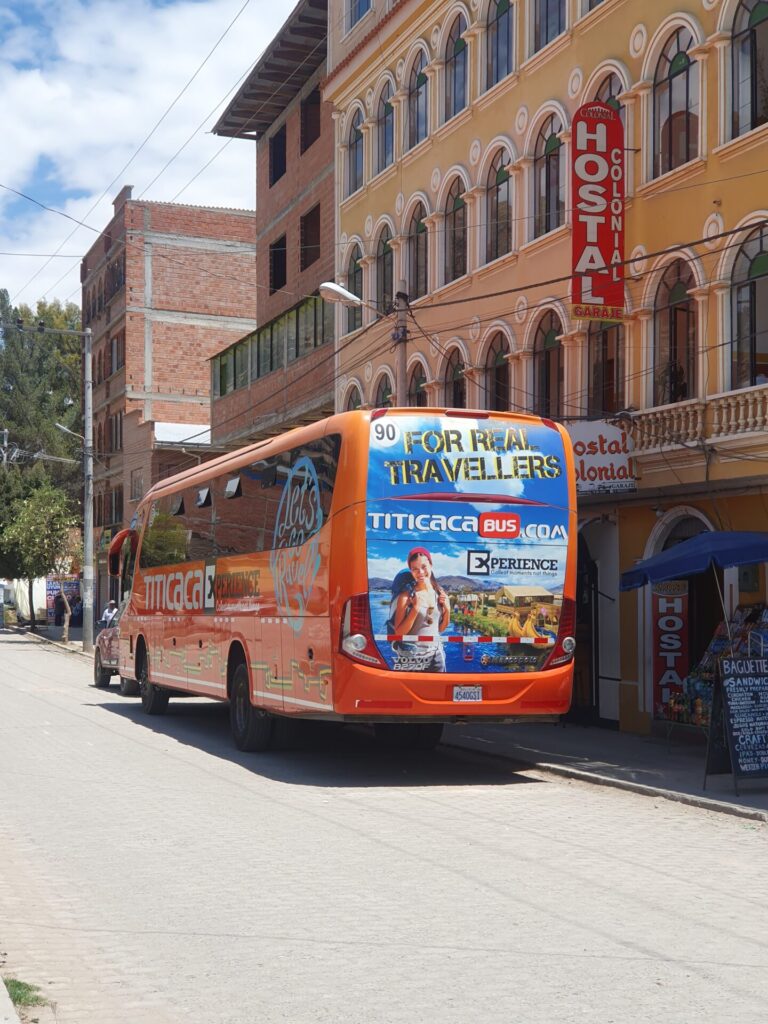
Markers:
point(737, 415)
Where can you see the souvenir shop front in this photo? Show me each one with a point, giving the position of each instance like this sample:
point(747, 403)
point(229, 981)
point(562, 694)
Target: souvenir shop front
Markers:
point(698, 592)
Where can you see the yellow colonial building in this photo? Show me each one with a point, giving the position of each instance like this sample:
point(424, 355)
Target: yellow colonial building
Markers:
point(453, 186)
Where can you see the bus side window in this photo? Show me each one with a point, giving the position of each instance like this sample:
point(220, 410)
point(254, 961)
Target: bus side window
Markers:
point(165, 536)
point(198, 521)
point(239, 520)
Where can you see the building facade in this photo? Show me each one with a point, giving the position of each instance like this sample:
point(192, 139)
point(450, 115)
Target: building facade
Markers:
point(453, 167)
point(163, 287)
point(281, 375)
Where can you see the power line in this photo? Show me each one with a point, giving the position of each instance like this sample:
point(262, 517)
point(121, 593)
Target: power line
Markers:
point(141, 146)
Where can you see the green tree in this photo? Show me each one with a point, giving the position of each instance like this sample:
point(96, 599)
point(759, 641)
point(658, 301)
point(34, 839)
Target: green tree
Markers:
point(39, 537)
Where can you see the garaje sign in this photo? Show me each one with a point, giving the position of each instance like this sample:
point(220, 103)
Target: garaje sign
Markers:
point(598, 220)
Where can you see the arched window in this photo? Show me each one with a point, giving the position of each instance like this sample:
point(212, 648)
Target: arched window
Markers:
point(99, 439)
point(383, 392)
point(609, 91)
point(674, 343)
point(455, 384)
point(497, 375)
point(100, 300)
point(675, 105)
point(384, 271)
point(500, 56)
point(455, 233)
point(548, 21)
point(355, 153)
point(498, 208)
point(548, 178)
point(355, 285)
point(548, 367)
point(750, 66)
point(606, 369)
point(385, 130)
point(417, 390)
point(417, 254)
point(355, 400)
point(749, 352)
point(456, 69)
point(417, 102)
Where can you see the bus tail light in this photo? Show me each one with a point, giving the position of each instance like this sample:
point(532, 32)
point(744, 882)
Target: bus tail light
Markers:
point(565, 644)
point(356, 633)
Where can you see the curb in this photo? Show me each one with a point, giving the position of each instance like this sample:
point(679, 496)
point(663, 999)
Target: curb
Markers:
point(8, 1013)
point(53, 643)
point(544, 768)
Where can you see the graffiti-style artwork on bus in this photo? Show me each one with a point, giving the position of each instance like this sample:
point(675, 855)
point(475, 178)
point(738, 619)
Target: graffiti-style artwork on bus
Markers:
point(467, 535)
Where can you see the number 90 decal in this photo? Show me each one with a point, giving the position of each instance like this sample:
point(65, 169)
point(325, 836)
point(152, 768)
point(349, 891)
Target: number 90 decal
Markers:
point(385, 433)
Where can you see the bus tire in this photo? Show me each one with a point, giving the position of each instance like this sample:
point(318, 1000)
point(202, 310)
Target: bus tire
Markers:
point(128, 687)
point(101, 676)
point(154, 700)
point(252, 728)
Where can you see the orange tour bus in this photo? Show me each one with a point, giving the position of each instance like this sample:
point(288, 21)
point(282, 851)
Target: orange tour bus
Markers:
point(398, 567)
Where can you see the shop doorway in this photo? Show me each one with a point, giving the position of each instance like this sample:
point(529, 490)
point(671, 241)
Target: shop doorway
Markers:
point(705, 611)
point(585, 706)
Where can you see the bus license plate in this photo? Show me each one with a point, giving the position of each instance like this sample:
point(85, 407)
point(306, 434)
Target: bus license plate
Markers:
point(467, 694)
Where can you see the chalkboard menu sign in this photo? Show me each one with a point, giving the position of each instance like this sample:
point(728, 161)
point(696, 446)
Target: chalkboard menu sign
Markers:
point(738, 734)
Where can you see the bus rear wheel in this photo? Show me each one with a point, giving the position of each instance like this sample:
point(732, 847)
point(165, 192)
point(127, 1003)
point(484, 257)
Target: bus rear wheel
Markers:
point(252, 728)
point(409, 735)
point(154, 700)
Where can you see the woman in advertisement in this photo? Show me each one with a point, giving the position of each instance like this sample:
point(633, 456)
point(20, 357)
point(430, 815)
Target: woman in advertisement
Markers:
point(420, 607)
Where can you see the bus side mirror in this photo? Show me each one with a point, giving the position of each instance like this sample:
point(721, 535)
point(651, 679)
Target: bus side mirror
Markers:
point(116, 549)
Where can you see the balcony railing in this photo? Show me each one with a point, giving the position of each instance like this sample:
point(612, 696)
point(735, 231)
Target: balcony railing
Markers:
point(725, 415)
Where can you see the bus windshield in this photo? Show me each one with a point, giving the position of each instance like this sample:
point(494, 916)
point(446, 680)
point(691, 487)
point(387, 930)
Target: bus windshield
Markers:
point(467, 541)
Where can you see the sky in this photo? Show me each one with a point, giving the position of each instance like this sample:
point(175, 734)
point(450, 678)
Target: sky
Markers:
point(83, 83)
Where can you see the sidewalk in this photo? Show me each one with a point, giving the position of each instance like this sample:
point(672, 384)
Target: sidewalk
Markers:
point(643, 764)
point(8, 1013)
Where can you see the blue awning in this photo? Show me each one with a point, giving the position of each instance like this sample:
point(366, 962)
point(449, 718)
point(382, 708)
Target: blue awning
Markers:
point(724, 548)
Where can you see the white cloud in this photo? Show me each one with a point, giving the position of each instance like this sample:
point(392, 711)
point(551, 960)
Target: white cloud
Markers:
point(83, 83)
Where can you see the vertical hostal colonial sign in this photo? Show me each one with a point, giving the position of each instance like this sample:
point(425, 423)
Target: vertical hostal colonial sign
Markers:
point(670, 643)
point(598, 216)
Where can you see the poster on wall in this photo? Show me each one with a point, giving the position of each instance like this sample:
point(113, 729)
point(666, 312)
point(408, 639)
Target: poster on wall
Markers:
point(467, 540)
point(669, 611)
point(602, 457)
point(53, 586)
point(597, 236)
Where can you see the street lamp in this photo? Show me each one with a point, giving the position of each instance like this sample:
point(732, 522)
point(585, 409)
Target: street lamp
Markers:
point(336, 293)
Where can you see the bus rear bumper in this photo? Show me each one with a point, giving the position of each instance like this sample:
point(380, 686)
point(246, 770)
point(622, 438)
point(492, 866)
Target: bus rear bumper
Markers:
point(368, 694)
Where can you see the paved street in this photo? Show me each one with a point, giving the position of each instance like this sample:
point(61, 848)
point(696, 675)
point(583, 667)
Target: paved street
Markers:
point(149, 873)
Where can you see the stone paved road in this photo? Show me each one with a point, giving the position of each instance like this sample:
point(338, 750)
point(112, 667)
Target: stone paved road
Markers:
point(151, 874)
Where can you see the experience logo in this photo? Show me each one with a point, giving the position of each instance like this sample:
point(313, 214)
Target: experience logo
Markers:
point(295, 557)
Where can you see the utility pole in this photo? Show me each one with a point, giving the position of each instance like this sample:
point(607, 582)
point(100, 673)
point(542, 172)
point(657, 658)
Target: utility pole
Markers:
point(400, 337)
point(88, 492)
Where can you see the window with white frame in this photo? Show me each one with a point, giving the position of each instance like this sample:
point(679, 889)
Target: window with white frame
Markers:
point(605, 358)
point(417, 253)
point(357, 8)
point(355, 285)
point(456, 69)
point(750, 66)
point(499, 42)
point(674, 342)
point(498, 208)
point(455, 233)
point(417, 387)
point(385, 130)
point(355, 153)
point(548, 21)
point(418, 86)
point(384, 273)
point(455, 381)
point(548, 367)
point(548, 178)
point(497, 383)
point(749, 300)
point(675, 105)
